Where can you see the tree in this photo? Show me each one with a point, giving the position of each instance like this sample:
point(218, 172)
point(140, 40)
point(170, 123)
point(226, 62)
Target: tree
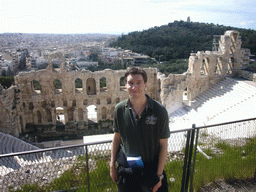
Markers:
point(22, 62)
point(3, 73)
point(6, 82)
point(176, 40)
point(93, 57)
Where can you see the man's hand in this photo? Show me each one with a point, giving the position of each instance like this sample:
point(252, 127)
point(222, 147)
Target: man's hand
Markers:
point(113, 173)
point(115, 147)
point(157, 186)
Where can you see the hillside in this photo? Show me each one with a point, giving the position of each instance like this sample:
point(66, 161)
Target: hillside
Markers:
point(178, 39)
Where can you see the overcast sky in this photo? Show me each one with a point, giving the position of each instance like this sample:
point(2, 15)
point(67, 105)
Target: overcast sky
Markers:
point(119, 16)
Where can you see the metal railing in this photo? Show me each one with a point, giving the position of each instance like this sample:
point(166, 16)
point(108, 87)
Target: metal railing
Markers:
point(85, 167)
point(226, 140)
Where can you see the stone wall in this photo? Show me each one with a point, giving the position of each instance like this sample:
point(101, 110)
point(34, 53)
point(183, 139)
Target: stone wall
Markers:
point(10, 110)
point(44, 93)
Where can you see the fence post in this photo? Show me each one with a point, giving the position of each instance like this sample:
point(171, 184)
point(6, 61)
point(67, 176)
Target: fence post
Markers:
point(87, 167)
point(194, 160)
point(187, 160)
point(185, 163)
point(190, 156)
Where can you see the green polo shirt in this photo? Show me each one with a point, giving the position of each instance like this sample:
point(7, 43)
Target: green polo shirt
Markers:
point(141, 137)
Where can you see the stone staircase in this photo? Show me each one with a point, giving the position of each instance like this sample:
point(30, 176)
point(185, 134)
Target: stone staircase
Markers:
point(229, 100)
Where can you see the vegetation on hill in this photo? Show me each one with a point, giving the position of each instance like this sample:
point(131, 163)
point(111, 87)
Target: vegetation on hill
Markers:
point(178, 39)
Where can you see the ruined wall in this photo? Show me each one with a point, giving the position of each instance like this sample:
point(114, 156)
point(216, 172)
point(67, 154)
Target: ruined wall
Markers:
point(44, 93)
point(9, 111)
point(56, 88)
point(205, 68)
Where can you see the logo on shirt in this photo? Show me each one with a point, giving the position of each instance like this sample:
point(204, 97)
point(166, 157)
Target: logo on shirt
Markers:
point(151, 120)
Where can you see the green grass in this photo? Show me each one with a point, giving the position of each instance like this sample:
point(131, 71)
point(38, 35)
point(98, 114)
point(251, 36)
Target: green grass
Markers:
point(234, 163)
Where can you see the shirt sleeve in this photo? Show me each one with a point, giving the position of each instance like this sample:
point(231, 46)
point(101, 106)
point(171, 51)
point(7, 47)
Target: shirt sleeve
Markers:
point(164, 125)
point(115, 123)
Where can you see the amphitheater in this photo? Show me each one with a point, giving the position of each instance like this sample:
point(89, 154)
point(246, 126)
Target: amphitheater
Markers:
point(213, 90)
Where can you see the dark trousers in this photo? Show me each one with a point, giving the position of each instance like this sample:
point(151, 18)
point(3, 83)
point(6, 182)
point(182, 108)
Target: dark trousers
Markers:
point(139, 182)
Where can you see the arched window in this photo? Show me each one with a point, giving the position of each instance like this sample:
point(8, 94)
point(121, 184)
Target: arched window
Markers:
point(60, 115)
point(103, 84)
point(92, 113)
point(91, 86)
point(204, 66)
point(36, 86)
point(122, 84)
point(78, 85)
point(109, 101)
point(57, 85)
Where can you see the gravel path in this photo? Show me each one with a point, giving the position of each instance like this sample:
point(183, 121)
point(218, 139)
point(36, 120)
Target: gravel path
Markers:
point(234, 186)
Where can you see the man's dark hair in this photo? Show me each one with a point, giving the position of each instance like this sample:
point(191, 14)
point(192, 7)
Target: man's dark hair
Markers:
point(136, 71)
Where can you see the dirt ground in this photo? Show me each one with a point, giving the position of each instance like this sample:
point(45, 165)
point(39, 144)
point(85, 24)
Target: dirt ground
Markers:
point(232, 185)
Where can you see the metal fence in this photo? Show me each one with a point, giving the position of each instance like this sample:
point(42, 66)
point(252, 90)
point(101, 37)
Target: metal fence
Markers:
point(85, 167)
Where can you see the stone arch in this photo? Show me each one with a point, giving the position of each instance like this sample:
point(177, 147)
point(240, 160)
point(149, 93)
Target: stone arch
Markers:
point(57, 85)
point(80, 114)
point(122, 84)
point(204, 66)
point(39, 116)
point(36, 86)
point(92, 113)
point(91, 86)
point(52, 59)
point(78, 85)
point(103, 84)
point(109, 100)
point(185, 96)
point(60, 115)
point(231, 63)
point(104, 113)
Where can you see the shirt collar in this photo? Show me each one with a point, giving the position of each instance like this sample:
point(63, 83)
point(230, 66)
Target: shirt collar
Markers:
point(149, 104)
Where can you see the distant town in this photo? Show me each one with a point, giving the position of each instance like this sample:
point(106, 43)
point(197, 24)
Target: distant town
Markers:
point(25, 52)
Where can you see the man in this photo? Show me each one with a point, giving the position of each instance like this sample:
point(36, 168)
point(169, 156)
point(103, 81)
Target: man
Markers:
point(141, 128)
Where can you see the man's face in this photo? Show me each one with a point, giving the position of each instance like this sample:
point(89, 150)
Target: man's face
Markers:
point(135, 85)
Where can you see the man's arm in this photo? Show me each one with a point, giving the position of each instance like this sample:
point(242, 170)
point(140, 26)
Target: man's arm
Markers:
point(161, 161)
point(115, 146)
point(162, 156)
